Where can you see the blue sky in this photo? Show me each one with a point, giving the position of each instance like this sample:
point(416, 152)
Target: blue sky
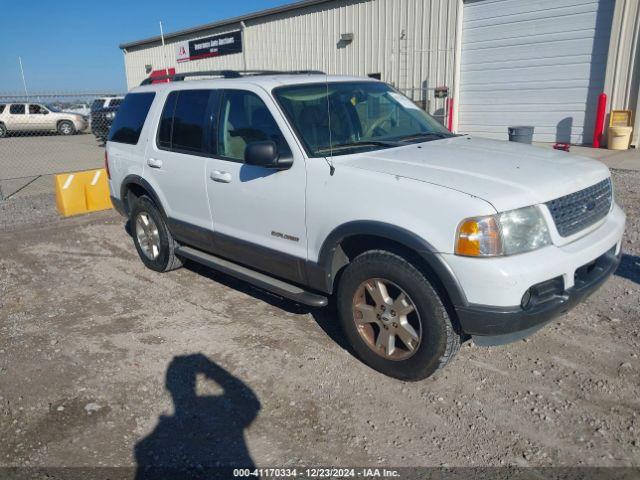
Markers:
point(73, 45)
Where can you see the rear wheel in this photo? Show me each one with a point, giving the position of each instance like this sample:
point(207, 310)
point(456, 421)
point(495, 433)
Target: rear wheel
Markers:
point(394, 318)
point(66, 128)
point(152, 238)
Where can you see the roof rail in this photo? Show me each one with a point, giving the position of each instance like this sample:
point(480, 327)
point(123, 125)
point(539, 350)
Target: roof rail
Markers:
point(179, 77)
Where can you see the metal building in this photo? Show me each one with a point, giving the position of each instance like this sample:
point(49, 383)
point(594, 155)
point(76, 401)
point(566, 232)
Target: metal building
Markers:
point(504, 62)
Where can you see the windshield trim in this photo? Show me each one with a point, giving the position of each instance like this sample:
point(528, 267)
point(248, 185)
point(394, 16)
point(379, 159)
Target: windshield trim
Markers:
point(301, 139)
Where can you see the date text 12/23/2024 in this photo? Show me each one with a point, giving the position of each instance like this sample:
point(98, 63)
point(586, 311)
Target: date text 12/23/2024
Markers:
point(316, 473)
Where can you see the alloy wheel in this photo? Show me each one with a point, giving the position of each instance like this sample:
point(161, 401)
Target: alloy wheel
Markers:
point(387, 319)
point(147, 235)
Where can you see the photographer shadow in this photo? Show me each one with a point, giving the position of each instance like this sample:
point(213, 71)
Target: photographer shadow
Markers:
point(205, 435)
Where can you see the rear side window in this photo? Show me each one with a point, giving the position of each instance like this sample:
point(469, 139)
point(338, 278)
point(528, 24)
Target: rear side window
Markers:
point(17, 109)
point(185, 121)
point(2, 108)
point(130, 118)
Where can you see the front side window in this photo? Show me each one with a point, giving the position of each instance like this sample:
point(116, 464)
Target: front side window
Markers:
point(244, 118)
point(36, 109)
point(17, 109)
point(130, 118)
point(339, 118)
point(97, 105)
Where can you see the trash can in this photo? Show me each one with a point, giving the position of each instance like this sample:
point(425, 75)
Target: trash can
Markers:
point(521, 134)
point(618, 138)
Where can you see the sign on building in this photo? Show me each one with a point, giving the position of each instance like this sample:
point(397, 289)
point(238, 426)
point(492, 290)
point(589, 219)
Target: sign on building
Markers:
point(215, 46)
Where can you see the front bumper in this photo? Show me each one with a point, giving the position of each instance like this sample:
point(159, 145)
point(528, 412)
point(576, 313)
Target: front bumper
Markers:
point(495, 288)
point(506, 324)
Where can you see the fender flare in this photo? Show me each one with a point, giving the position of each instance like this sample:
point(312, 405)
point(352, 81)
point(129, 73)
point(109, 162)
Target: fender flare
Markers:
point(331, 258)
point(141, 182)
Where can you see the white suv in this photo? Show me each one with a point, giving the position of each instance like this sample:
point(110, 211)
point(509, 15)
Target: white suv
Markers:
point(36, 117)
point(310, 186)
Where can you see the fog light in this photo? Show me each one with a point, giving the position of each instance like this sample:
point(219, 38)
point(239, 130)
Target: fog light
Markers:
point(526, 299)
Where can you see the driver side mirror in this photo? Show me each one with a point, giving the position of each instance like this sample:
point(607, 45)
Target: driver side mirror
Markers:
point(44, 112)
point(265, 154)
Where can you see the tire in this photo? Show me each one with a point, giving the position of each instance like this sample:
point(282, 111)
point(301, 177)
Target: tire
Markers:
point(66, 127)
point(3, 130)
point(438, 342)
point(158, 255)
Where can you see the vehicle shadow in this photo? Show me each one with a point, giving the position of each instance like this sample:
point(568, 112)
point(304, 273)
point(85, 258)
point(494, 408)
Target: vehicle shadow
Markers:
point(629, 268)
point(326, 318)
point(204, 438)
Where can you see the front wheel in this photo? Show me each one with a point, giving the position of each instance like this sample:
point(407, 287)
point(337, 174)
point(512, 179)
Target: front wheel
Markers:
point(3, 130)
point(66, 128)
point(394, 318)
point(152, 238)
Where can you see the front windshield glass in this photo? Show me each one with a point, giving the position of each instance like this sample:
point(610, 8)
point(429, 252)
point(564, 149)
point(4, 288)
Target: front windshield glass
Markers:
point(346, 117)
point(52, 108)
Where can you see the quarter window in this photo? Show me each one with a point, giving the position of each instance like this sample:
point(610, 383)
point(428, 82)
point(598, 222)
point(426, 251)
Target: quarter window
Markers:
point(245, 119)
point(17, 109)
point(2, 108)
point(130, 118)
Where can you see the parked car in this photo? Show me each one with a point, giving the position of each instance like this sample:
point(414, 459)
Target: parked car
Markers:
point(312, 186)
point(103, 111)
point(79, 108)
point(36, 117)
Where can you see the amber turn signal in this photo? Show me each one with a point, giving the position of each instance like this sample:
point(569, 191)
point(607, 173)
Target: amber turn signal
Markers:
point(479, 237)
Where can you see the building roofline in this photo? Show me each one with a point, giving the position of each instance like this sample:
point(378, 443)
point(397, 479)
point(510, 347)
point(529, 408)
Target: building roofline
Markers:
point(222, 23)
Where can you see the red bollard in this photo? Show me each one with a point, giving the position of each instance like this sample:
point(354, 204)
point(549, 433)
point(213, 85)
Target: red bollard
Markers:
point(450, 119)
point(599, 128)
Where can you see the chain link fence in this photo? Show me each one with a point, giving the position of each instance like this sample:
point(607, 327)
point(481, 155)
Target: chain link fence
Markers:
point(45, 133)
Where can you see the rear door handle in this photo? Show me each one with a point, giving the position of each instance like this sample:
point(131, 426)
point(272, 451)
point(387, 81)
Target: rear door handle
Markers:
point(154, 162)
point(221, 177)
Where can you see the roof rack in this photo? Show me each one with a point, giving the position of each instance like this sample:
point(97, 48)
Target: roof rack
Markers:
point(179, 77)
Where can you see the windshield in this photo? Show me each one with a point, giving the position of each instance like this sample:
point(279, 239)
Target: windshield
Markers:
point(363, 116)
point(52, 108)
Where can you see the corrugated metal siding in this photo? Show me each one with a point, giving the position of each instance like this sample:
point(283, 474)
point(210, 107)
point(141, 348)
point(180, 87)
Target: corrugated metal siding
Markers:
point(623, 69)
point(410, 42)
point(533, 63)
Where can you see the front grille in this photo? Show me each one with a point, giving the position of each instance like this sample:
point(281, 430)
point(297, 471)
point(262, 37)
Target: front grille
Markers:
point(577, 211)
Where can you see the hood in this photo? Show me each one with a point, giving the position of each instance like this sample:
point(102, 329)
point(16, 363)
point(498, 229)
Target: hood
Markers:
point(506, 174)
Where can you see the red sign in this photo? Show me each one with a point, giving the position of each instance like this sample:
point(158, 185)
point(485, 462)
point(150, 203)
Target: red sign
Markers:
point(162, 73)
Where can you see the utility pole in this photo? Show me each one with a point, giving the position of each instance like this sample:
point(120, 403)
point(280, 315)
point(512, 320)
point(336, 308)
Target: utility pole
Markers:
point(164, 52)
point(24, 83)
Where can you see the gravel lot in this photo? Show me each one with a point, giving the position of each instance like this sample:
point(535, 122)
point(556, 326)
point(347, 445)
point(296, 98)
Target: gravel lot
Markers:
point(105, 363)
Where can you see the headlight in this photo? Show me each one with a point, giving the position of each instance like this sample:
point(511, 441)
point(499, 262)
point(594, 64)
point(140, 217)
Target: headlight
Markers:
point(507, 233)
point(110, 115)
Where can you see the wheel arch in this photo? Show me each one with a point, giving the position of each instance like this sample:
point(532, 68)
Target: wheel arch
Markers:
point(134, 186)
point(353, 238)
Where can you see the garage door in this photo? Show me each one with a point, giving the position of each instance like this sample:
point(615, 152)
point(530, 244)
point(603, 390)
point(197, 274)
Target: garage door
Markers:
point(539, 63)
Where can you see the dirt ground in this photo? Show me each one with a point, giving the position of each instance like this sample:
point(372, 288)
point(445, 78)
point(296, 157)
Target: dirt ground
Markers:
point(106, 363)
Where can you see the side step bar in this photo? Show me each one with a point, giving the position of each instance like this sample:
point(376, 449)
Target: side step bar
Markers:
point(283, 289)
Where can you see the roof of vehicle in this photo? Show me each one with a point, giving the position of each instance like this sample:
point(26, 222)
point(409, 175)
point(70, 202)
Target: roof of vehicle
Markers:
point(267, 82)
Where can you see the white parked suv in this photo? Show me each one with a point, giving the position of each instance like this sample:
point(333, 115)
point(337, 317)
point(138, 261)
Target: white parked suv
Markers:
point(312, 186)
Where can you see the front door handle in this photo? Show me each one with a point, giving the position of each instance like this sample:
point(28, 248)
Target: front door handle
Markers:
point(154, 162)
point(221, 177)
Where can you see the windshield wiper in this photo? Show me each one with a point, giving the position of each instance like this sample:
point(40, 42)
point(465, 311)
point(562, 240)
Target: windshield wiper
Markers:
point(425, 135)
point(363, 143)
